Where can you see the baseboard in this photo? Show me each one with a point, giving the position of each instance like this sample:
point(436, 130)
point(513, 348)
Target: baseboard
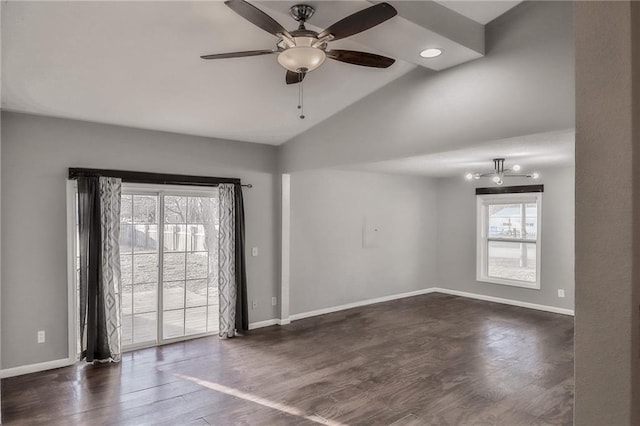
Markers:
point(49, 365)
point(266, 323)
point(512, 302)
point(34, 368)
point(331, 309)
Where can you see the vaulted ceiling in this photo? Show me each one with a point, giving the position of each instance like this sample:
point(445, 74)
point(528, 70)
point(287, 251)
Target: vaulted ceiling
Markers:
point(137, 63)
point(531, 152)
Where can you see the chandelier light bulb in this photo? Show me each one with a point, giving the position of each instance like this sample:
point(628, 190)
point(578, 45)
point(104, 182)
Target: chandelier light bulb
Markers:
point(499, 173)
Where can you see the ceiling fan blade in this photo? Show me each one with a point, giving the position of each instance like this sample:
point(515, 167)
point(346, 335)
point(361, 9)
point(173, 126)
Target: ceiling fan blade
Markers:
point(256, 17)
point(361, 58)
point(238, 54)
point(294, 77)
point(360, 21)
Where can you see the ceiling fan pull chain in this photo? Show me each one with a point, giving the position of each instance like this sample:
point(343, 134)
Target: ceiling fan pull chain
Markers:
point(301, 96)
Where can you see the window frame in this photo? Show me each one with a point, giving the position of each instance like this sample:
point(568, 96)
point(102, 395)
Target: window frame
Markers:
point(482, 239)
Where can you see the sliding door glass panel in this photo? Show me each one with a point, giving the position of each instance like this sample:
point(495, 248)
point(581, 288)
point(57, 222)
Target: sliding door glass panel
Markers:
point(145, 208)
point(145, 327)
point(195, 320)
point(197, 265)
point(189, 249)
point(139, 266)
point(196, 293)
point(173, 292)
point(174, 266)
point(173, 324)
point(145, 268)
point(202, 264)
point(175, 238)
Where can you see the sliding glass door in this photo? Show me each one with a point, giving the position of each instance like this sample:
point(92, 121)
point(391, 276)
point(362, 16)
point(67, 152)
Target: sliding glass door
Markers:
point(169, 258)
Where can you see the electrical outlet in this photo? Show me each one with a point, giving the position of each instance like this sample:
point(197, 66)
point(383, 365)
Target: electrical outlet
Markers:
point(560, 293)
point(254, 251)
point(41, 338)
point(254, 304)
point(274, 301)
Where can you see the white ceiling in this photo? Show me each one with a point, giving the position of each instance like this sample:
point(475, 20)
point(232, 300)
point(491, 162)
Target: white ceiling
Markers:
point(480, 11)
point(137, 64)
point(532, 152)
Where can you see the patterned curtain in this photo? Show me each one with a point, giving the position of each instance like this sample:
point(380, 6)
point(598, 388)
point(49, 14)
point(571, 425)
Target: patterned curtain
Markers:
point(227, 261)
point(99, 233)
point(232, 281)
point(110, 191)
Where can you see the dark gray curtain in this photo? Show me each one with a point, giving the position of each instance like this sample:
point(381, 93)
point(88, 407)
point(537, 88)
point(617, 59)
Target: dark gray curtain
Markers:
point(99, 323)
point(89, 236)
point(242, 315)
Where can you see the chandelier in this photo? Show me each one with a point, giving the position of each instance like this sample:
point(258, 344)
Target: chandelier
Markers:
point(499, 173)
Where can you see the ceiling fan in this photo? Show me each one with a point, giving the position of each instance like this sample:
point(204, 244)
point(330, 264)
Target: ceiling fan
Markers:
point(302, 50)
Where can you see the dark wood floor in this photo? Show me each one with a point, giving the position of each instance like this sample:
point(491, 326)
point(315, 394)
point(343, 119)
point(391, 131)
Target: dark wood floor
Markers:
point(427, 360)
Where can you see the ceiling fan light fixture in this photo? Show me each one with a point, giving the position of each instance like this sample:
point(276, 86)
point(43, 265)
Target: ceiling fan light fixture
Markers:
point(302, 56)
point(432, 52)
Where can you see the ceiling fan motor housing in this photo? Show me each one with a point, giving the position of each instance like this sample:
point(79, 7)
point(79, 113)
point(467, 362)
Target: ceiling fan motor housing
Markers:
point(301, 12)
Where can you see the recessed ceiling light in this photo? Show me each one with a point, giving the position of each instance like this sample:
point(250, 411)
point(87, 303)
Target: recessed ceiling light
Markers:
point(431, 53)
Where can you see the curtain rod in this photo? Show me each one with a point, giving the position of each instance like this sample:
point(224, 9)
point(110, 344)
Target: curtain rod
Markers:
point(155, 178)
point(510, 189)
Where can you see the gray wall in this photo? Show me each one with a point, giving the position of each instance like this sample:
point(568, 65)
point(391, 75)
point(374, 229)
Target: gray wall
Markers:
point(0, 206)
point(457, 240)
point(329, 266)
point(36, 152)
point(607, 358)
point(524, 85)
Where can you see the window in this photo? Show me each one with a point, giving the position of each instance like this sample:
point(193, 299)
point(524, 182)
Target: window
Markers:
point(509, 239)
